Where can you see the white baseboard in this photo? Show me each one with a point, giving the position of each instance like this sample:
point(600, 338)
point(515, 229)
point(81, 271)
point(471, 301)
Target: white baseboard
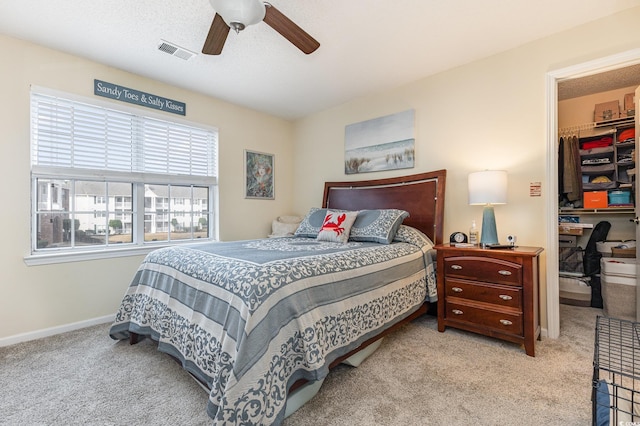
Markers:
point(39, 334)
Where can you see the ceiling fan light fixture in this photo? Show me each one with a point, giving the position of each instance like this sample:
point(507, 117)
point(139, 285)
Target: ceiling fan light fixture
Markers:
point(238, 14)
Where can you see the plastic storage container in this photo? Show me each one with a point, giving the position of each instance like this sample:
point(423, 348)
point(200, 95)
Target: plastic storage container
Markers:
point(574, 291)
point(606, 247)
point(619, 197)
point(618, 280)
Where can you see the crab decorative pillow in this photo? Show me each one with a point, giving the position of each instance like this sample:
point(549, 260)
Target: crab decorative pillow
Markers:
point(336, 226)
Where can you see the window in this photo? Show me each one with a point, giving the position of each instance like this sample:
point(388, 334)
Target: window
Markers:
point(106, 179)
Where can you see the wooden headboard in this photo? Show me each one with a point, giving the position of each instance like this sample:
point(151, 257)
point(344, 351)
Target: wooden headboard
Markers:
point(422, 195)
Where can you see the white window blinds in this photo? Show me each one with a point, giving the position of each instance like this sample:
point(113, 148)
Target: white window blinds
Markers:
point(75, 135)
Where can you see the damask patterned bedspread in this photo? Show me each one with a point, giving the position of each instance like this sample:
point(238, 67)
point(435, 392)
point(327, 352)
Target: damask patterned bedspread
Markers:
point(249, 318)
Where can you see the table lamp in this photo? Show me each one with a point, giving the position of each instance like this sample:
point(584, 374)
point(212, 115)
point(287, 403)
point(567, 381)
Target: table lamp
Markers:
point(487, 188)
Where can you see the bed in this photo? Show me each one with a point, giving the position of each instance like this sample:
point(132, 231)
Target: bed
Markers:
point(259, 321)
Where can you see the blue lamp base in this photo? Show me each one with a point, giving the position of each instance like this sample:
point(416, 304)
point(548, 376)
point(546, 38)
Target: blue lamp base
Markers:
point(489, 232)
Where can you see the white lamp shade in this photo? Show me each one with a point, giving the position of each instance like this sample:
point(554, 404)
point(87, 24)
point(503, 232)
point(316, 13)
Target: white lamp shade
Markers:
point(488, 187)
point(246, 12)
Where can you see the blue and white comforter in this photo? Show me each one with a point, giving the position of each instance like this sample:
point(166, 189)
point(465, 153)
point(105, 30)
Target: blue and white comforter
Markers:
point(249, 318)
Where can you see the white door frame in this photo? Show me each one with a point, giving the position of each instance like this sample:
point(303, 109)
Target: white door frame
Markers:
point(608, 63)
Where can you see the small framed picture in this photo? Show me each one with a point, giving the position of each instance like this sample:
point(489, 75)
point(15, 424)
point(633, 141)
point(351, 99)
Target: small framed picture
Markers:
point(259, 177)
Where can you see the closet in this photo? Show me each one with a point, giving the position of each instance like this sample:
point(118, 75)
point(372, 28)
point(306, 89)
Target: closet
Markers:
point(597, 160)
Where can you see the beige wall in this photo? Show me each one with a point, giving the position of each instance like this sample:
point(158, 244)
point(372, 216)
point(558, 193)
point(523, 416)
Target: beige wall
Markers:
point(490, 114)
point(487, 114)
point(34, 298)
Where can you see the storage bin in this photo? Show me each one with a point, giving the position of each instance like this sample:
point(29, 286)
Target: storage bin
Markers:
point(595, 200)
point(571, 261)
point(606, 248)
point(629, 105)
point(618, 280)
point(567, 229)
point(619, 197)
point(623, 252)
point(568, 219)
point(607, 111)
point(574, 291)
point(619, 267)
point(568, 240)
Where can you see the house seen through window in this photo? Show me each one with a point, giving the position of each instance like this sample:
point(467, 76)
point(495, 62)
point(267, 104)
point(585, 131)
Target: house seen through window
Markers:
point(108, 179)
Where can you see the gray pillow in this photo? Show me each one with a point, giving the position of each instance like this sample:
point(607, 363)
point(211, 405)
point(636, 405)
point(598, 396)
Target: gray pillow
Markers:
point(377, 226)
point(311, 224)
point(407, 234)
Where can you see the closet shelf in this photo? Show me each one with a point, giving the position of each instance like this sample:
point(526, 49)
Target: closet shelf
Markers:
point(601, 128)
point(608, 210)
point(627, 144)
point(617, 122)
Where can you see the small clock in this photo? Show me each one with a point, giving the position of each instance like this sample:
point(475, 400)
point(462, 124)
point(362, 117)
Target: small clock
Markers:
point(458, 237)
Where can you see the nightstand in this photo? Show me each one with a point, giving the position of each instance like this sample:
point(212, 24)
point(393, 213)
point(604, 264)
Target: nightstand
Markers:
point(490, 291)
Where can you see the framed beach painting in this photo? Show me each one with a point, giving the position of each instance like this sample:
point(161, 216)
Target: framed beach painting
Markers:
point(259, 175)
point(383, 143)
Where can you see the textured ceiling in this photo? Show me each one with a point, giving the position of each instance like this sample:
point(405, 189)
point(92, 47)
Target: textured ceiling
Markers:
point(366, 46)
point(601, 82)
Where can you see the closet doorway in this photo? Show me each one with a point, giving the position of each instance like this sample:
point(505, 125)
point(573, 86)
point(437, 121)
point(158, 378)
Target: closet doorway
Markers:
point(601, 75)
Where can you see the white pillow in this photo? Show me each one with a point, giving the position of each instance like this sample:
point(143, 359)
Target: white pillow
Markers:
point(285, 226)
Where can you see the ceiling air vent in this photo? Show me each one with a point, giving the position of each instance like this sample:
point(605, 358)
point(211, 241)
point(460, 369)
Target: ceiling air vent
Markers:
point(175, 50)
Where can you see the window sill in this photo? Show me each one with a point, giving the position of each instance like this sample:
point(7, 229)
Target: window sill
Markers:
point(80, 256)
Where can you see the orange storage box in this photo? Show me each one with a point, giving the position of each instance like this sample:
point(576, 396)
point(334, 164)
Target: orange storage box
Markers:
point(596, 200)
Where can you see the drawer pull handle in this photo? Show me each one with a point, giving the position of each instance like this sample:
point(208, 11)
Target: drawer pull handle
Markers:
point(503, 272)
point(457, 312)
point(456, 289)
point(456, 267)
point(505, 297)
point(505, 322)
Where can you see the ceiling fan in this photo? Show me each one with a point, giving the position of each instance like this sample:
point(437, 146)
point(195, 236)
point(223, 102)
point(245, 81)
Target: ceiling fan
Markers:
point(238, 14)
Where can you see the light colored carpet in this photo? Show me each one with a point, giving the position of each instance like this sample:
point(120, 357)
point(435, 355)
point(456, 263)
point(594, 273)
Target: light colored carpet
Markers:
point(418, 377)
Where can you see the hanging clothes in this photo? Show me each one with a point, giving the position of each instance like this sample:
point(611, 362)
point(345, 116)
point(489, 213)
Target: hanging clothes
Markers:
point(561, 169)
point(572, 176)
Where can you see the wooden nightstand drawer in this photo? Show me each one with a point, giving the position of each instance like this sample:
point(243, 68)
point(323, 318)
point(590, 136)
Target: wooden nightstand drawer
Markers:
point(483, 269)
point(503, 321)
point(490, 291)
point(495, 294)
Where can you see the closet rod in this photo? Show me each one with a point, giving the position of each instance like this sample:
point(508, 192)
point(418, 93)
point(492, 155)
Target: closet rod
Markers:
point(588, 130)
point(606, 127)
point(575, 130)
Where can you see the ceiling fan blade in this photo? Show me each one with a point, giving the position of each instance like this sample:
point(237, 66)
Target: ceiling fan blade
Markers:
point(217, 36)
point(289, 30)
